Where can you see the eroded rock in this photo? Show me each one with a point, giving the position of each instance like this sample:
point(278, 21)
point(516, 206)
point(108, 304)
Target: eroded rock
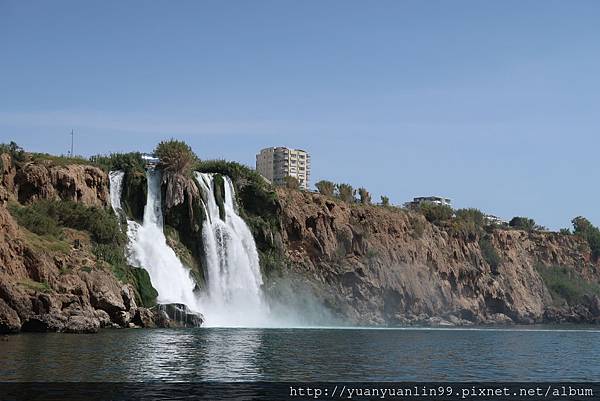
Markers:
point(9, 319)
point(176, 315)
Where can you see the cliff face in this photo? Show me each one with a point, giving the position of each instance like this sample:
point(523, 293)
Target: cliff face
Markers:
point(44, 180)
point(57, 284)
point(379, 265)
point(369, 264)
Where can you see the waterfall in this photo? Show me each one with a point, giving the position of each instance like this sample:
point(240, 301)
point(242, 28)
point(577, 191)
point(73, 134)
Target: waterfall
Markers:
point(233, 296)
point(148, 246)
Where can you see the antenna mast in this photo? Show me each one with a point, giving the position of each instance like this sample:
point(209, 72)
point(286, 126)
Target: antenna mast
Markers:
point(72, 143)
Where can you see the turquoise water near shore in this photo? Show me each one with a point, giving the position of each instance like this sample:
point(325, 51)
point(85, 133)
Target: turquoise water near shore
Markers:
point(536, 353)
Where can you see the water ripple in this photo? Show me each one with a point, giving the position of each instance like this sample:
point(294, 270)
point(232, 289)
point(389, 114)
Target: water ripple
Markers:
point(303, 354)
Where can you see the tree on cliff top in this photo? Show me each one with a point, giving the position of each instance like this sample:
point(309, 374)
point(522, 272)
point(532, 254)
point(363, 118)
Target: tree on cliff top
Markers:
point(346, 192)
point(128, 162)
point(523, 223)
point(385, 201)
point(585, 229)
point(469, 222)
point(325, 187)
point(176, 156)
point(436, 213)
point(15, 151)
point(365, 196)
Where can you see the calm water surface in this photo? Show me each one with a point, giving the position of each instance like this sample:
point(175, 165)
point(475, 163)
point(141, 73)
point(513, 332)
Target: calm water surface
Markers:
point(304, 355)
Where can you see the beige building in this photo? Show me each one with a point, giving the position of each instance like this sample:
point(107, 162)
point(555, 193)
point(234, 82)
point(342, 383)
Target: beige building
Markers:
point(279, 162)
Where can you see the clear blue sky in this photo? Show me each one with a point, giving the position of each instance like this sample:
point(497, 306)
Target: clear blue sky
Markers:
point(495, 104)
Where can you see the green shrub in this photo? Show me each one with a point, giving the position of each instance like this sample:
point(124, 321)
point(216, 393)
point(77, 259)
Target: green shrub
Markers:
point(435, 213)
point(584, 228)
point(346, 193)
point(127, 162)
point(469, 222)
point(523, 223)
point(472, 215)
point(385, 201)
point(101, 223)
point(326, 188)
point(489, 253)
point(113, 255)
point(566, 285)
point(16, 152)
point(238, 173)
point(58, 160)
point(176, 156)
point(36, 286)
point(365, 196)
point(35, 220)
point(46, 217)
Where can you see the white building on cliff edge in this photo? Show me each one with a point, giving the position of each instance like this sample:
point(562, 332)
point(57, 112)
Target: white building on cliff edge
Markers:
point(276, 163)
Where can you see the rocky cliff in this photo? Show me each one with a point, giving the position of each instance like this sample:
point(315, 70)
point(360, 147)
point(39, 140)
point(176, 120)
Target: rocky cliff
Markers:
point(368, 264)
point(32, 181)
point(61, 282)
point(384, 265)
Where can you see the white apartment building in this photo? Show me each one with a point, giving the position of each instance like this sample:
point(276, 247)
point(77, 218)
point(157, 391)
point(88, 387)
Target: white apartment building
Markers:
point(436, 200)
point(276, 163)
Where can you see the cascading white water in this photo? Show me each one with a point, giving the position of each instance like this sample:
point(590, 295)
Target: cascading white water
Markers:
point(234, 296)
point(116, 189)
point(148, 246)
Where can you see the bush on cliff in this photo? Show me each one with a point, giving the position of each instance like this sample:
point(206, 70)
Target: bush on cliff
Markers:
point(19, 155)
point(471, 215)
point(176, 157)
point(16, 152)
point(489, 253)
point(522, 223)
point(365, 196)
point(55, 160)
point(566, 285)
point(436, 213)
point(469, 223)
point(35, 221)
point(325, 187)
point(127, 162)
point(346, 193)
point(585, 229)
point(45, 217)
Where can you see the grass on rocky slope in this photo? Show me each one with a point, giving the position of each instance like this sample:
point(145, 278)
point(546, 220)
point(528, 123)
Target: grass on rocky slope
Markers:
point(35, 285)
point(566, 285)
point(47, 217)
point(46, 220)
